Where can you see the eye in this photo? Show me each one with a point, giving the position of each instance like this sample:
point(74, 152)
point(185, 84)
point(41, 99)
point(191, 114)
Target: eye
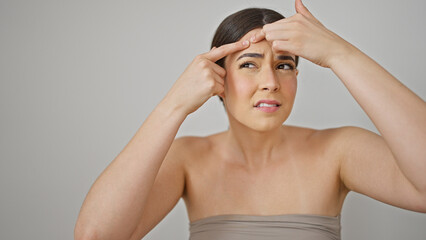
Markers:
point(247, 65)
point(285, 66)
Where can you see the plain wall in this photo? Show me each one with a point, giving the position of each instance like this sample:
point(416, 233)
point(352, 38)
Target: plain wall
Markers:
point(78, 78)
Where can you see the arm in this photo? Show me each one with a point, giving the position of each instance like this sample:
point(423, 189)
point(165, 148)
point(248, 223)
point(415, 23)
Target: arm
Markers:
point(398, 113)
point(368, 167)
point(119, 205)
point(168, 188)
point(115, 202)
point(382, 167)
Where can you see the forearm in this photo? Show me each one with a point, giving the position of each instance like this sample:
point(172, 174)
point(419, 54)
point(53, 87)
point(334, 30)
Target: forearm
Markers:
point(115, 202)
point(398, 113)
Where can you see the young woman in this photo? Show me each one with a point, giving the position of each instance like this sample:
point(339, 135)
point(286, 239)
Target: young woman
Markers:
point(261, 179)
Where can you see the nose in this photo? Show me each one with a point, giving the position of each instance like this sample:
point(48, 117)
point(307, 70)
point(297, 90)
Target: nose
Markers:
point(269, 80)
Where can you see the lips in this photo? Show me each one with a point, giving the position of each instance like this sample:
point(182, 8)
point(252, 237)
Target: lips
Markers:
point(267, 101)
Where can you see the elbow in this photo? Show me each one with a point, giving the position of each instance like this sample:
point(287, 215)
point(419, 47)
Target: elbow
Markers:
point(423, 210)
point(84, 233)
point(84, 236)
point(89, 233)
point(420, 203)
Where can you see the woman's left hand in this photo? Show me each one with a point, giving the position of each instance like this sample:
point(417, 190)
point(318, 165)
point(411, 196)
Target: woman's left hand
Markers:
point(303, 35)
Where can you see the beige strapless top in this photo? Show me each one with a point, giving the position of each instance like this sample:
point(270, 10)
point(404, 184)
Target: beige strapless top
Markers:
point(271, 227)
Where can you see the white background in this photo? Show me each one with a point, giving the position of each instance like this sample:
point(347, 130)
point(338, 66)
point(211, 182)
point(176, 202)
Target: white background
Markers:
point(78, 78)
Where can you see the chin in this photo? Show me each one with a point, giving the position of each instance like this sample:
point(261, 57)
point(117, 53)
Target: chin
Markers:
point(260, 123)
point(265, 126)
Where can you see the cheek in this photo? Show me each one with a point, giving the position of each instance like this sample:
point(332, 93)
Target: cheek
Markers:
point(288, 85)
point(238, 85)
point(292, 86)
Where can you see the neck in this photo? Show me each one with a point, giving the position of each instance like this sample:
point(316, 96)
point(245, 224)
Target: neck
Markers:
point(254, 148)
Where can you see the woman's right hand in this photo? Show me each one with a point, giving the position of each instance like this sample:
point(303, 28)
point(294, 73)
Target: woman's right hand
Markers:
point(202, 79)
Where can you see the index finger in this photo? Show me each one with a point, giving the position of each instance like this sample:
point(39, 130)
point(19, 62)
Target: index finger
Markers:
point(257, 37)
point(216, 54)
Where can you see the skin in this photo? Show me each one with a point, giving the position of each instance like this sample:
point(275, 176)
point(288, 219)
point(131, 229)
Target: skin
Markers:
point(126, 200)
point(258, 166)
point(300, 170)
point(263, 166)
point(254, 135)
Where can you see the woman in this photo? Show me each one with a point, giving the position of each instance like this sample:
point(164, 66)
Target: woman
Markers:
point(261, 179)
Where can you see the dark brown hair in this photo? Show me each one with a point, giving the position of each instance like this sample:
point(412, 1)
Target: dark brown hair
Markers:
point(238, 24)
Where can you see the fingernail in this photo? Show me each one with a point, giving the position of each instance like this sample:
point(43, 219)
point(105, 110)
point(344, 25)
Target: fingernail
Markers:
point(245, 43)
point(253, 38)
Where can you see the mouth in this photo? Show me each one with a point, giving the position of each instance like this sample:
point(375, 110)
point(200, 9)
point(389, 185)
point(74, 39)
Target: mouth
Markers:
point(260, 105)
point(267, 107)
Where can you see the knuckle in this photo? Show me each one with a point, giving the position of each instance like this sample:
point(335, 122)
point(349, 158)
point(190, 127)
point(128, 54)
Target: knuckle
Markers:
point(266, 27)
point(203, 63)
point(268, 36)
point(275, 44)
point(206, 73)
point(274, 47)
point(199, 57)
point(282, 24)
point(211, 84)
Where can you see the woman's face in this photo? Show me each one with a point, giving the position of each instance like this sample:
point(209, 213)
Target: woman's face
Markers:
point(258, 73)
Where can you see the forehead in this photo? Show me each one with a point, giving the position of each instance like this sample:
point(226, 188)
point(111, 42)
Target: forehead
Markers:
point(262, 47)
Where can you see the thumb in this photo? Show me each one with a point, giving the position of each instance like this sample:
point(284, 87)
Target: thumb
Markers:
point(300, 8)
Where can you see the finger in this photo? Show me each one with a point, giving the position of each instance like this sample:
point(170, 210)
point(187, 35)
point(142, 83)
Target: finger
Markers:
point(224, 50)
point(257, 37)
point(302, 9)
point(220, 80)
point(219, 85)
point(218, 69)
point(278, 35)
point(278, 25)
point(284, 46)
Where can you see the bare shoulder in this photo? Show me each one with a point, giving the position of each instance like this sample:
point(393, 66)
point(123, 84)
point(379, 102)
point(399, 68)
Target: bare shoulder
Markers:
point(344, 135)
point(324, 136)
point(190, 144)
point(329, 142)
point(332, 134)
point(340, 142)
point(339, 137)
point(189, 149)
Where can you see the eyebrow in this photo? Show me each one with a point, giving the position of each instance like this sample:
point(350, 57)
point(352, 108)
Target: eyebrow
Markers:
point(258, 55)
